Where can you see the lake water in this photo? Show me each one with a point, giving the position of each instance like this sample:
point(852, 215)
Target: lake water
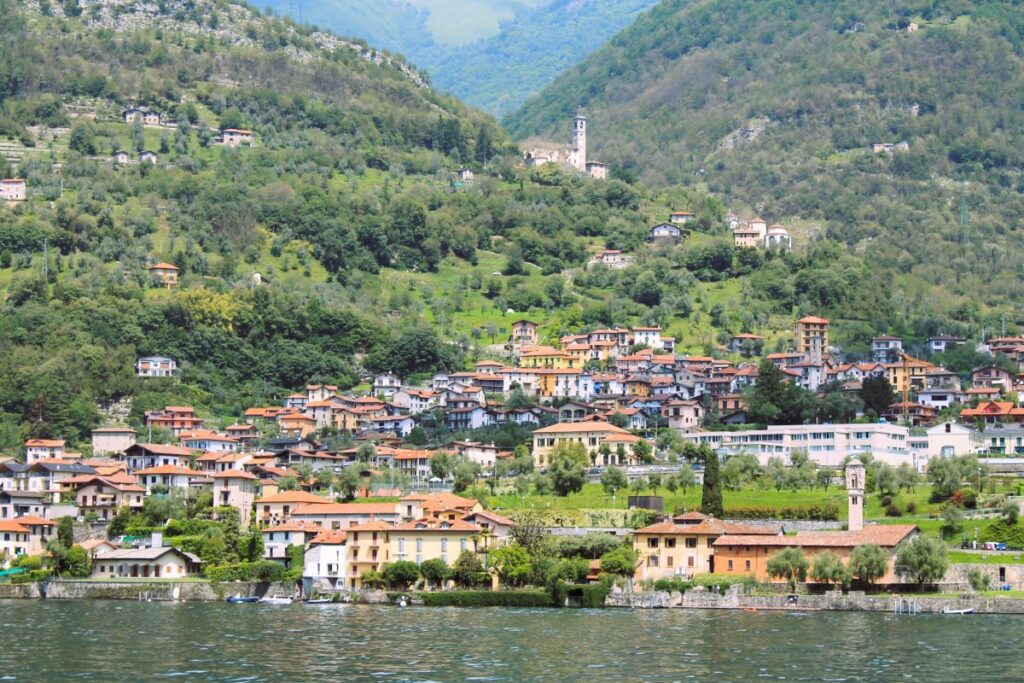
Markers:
point(130, 641)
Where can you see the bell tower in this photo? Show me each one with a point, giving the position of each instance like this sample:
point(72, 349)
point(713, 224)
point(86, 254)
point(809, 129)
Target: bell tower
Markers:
point(579, 140)
point(855, 493)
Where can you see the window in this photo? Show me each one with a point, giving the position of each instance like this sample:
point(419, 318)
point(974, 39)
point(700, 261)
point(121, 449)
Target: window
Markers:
point(652, 543)
point(463, 544)
point(669, 563)
point(691, 543)
point(729, 565)
point(747, 564)
point(689, 561)
point(419, 545)
point(652, 560)
point(670, 543)
point(401, 546)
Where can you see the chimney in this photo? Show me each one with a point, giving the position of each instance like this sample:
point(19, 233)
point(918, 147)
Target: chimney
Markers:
point(156, 540)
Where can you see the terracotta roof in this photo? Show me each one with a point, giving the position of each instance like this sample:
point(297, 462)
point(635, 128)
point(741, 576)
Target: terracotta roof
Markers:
point(295, 526)
point(590, 426)
point(493, 516)
point(329, 538)
point(710, 526)
point(233, 474)
point(33, 520)
point(295, 416)
point(113, 430)
point(813, 320)
point(884, 535)
point(326, 508)
point(291, 497)
point(45, 443)
point(372, 526)
point(12, 526)
point(427, 525)
point(162, 266)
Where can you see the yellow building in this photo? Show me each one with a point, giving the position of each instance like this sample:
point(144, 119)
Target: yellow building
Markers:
point(910, 375)
point(431, 539)
point(368, 550)
point(812, 335)
point(683, 546)
point(296, 424)
point(278, 508)
point(562, 383)
point(547, 357)
point(589, 433)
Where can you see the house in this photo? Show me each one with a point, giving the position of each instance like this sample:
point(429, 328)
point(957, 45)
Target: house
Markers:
point(13, 190)
point(746, 344)
point(142, 455)
point(575, 411)
point(524, 333)
point(385, 385)
point(156, 562)
point(148, 157)
point(649, 337)
point(812, 335)
point(612, 258)
point(106, 495)
point(121, 157)
point(909, 413)
point(495, 530)
point(598, 170)
point(886, 349)
point(26, 535)
point(165, 274)
point(296, 424)
point(98, 546)
point(940, 398)
point(483, 454)
point(910, 373)
point(994, 412)
point(235, 137)
point(276, 539)
point(340, 516)
point(277, 509)
point(176, 419)
point(431, 539)
point(441, 506)
point(415, 463)
point(993, 377)
point(731, 220)
point(169, 477)
point(237, 489)
point(22, 503)
point(590, 433)
point(664, 231)
point(748, 555)
point(325, 559)
point(470, 417)
point(211, 442)
point(778, 238)
point(108, 440)
point(635, 418)
point(399, 425)
point(13, 476)
point(146, 117)
point(943, 343)
point(683, 415)
point(51, 477)
point(949, 438)
point(680, 217)
point(244, 434)
point(415, 401)
point(683, 546)
point(369, 549)
point(43, 449)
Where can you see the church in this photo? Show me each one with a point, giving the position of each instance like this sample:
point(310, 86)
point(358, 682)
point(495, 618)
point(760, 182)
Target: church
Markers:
point(573, 155)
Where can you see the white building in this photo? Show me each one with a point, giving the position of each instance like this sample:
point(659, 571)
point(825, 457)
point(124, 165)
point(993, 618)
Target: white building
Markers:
point(13, 190)
point(156, 366)
point(826, 445)
point(386, 385)
point(38, 449)
point(325, 559)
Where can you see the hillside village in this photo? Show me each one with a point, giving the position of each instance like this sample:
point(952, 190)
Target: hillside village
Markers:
point(608, 392)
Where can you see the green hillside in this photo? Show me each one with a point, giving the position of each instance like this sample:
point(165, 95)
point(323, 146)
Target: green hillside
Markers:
point(774, 105)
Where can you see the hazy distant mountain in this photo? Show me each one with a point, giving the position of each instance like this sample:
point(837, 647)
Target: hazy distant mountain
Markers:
point(491, 53)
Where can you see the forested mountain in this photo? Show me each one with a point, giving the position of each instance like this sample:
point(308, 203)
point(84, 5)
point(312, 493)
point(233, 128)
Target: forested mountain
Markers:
point(774, 106)
point(491, 53)
point(345, 207)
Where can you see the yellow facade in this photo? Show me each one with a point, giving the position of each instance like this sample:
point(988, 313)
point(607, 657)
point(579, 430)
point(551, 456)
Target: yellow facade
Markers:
point(590, 433)
point(369, 549)
point(420, 545)
point(913, 376)
point(673, 553)
point(812, 335)
point(549, 360)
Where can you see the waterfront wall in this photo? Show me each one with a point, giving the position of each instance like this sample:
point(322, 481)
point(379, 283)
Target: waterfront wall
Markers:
point(195, 591)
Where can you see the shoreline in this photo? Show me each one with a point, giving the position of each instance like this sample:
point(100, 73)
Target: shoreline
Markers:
point(853, 601)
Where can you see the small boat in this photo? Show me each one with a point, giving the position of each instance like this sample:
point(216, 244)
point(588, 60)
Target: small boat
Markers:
point(237, 599)
point(402, 601)
point(275, 600)
point(319, 601)
point(958, 610)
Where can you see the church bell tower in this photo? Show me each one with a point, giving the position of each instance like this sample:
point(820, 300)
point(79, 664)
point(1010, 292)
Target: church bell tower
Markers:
point(855, 493)
point(579, 140)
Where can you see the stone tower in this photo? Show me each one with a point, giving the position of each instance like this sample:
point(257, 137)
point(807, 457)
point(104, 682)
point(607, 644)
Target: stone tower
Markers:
point(579, 140)
point(855, 493)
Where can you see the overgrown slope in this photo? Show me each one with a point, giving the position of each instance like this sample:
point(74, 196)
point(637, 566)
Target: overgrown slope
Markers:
point(774, 105)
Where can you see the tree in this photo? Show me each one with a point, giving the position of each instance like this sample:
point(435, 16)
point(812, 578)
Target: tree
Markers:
point(365, 452)
point(613, 479)
point(401, 574)
point(789, 564)
point(952, 519)
point(886, 481)
point(923, 559)
point(348, 482)
point(1010, 513)
point(877, 394)
point(441, 465)
point(772, 401)
point(372, 579)
point(66, 531)
point(522, 461)
point(643, 452)
point(530, 532)
point(620, 562)
point(467, 570)
point(466, 474)
point(824, 477)
point(77, 562)
point(288, 483)
point(435, 572)
point(638, 485)
point(685, 477)
point(828, 568)
point(711, 497)
point(566, 473)
point(512, 563)
point(868, 563)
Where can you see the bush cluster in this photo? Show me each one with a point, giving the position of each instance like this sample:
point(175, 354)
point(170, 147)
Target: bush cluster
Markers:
point(488, 599)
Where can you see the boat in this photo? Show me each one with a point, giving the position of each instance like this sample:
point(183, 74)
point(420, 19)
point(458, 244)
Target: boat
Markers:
point(319, 601)
point(275, 600)
point(237, 599)
point(957, 610)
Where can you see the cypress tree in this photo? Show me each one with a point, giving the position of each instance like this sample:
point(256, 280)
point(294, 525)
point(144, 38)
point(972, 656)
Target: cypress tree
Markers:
point(711, 497)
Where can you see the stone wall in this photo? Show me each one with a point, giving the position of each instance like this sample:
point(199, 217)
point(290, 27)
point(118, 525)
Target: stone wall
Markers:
point(197, 591)
point(1013, 574)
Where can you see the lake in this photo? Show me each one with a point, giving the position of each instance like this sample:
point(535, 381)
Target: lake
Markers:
point(131, 641)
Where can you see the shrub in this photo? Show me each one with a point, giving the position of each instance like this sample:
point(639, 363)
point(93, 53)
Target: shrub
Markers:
point(886, 500)
point(264, 570)
point(488, 599)
point(970, 499)
point(595, 594)
point(893, 510)
point(32, 576)
point(673, 585)
point(827, 511)
point(979, 580)
point(911, 508)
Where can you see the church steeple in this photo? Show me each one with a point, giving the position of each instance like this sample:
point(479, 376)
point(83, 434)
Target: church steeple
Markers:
point(579, 140)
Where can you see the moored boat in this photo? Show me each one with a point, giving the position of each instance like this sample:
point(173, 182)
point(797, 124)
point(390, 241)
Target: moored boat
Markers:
point(236, 599)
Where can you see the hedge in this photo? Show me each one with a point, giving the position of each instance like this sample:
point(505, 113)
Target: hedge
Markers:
point(32, 576)
point(488, 599)
point(594, 595)
point(264, 571)
point(822, 512)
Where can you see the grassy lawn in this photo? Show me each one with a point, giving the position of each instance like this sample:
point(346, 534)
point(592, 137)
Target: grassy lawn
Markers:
point(964, 557)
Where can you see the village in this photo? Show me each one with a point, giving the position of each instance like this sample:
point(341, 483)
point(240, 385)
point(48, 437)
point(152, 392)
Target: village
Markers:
point(608, 394)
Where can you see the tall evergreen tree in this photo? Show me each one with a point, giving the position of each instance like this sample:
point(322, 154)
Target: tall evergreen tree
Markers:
point(711, 497)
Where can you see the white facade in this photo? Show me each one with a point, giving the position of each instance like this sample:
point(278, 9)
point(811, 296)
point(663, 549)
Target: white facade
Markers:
point(325, 561)
point(156, 366)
